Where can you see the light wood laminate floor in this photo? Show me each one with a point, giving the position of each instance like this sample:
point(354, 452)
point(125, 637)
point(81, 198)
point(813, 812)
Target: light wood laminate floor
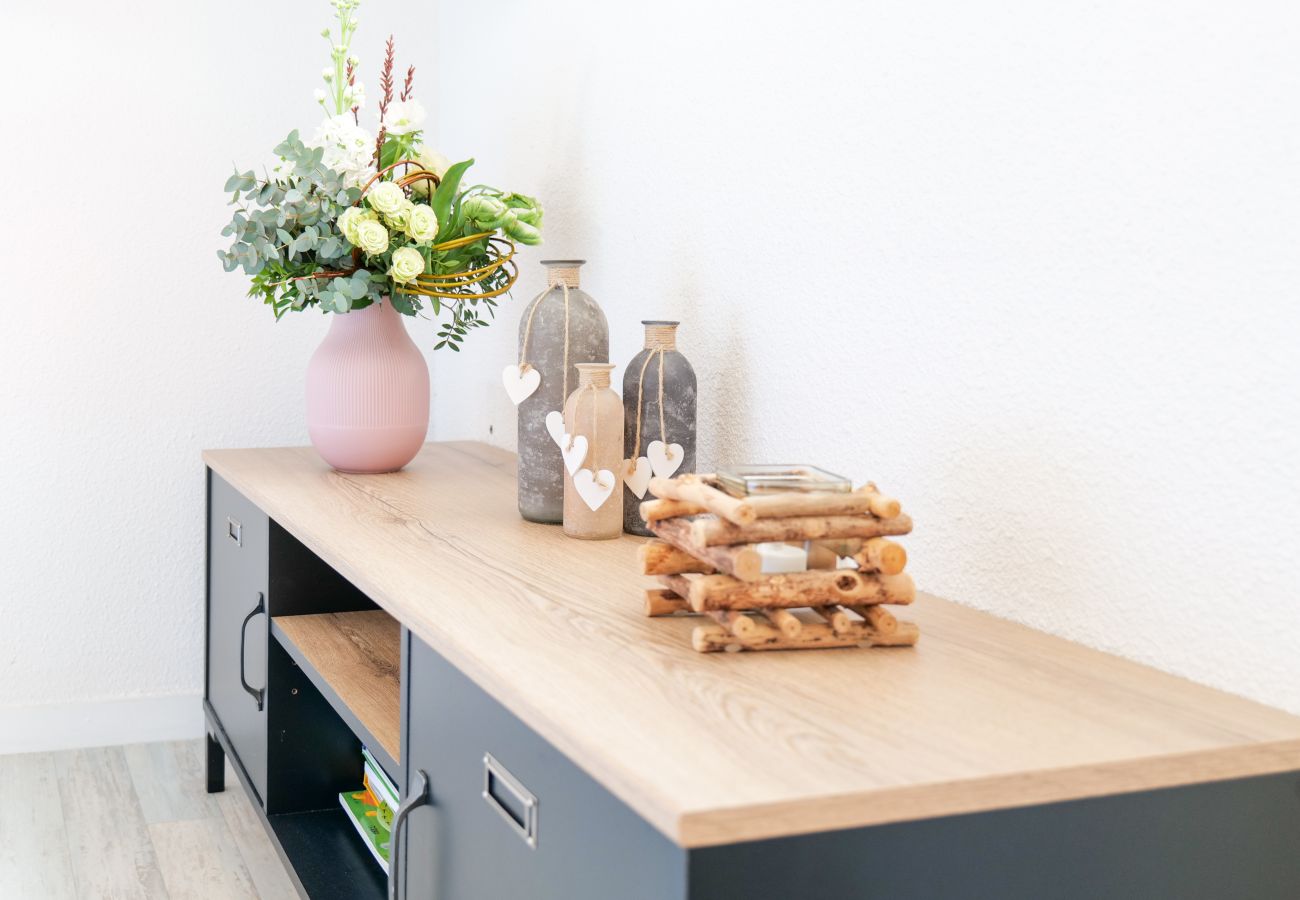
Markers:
point(130, 822)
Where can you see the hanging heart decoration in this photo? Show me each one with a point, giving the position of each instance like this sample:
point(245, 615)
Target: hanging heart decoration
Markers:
point(594, 489)
point(555, 428)
point(664, 458)
point(574, 451)
point(520, 381)
point(636, 475)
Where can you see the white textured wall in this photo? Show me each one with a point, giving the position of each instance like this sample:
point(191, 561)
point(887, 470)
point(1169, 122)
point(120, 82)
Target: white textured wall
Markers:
point(124, 348)
point(1031, 266)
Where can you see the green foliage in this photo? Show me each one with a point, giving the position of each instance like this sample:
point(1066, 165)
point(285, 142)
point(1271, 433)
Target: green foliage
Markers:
point(286, 238)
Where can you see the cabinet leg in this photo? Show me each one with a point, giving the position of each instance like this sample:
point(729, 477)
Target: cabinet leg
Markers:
point(216, 766)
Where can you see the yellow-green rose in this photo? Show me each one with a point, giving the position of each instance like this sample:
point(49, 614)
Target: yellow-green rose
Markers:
point(385, 198)
point(422, 224)
point(407, 265)
point(372, 238)
point(352, 217)
point(430, 161)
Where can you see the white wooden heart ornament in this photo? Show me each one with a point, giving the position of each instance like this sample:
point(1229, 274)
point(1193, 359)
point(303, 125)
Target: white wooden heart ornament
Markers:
point(555, 428)
point(664, 458)
point(636, 475)
point(594, 489)
point(520, 383)
point(574, 451)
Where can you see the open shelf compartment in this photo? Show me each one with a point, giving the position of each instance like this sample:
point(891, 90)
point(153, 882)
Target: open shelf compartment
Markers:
point(354, 660)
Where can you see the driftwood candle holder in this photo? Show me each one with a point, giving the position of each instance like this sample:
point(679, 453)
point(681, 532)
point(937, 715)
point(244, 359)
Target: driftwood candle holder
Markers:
point(706, 560)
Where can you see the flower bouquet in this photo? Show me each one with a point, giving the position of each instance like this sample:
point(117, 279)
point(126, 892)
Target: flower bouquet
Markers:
point(368, 226)
point(348, 218)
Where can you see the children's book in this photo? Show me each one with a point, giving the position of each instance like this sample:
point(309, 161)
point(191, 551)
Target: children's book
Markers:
point(365, 817)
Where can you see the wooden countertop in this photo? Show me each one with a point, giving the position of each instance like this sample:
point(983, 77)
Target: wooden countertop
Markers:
point(718, 748)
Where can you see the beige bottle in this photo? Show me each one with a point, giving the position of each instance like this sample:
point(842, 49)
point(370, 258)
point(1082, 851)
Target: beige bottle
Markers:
point(593, 492)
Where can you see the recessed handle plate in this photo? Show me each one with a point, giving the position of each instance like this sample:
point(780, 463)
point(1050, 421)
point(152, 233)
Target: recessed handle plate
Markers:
point(235, 531)
point(513, 802)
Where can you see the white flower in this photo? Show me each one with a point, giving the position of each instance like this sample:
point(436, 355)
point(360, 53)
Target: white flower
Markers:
point(422, 224)
point(351, 219)
point(407, 265)
point(319, 94)
point(372, 238)
point(430, 161)
point(349, 149)
point(354, 61)
point(357, 94)
point(327, 73)
point(404, 116)
point(397, 220)
point(385, 198)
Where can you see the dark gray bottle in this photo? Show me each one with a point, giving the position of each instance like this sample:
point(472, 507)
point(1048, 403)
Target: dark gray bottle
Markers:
point(641, 388)
point(547, 326)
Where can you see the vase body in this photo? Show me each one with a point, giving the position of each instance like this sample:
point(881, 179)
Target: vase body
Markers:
point(547, 328)
point(641, 391)
point(368, 392)
point(595, 413)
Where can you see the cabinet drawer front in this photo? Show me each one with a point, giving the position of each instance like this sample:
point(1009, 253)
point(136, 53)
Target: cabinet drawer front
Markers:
point(510, 816)
point(238, 540)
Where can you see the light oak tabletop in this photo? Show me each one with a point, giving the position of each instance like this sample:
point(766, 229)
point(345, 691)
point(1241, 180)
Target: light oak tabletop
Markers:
point(717, 748)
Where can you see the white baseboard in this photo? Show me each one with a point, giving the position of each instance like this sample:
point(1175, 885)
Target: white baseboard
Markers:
point(66, 726)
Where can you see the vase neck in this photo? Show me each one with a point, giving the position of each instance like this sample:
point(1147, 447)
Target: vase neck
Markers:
point(562, 271)
point(594, 375)
point(377, 318)
point(660, 335)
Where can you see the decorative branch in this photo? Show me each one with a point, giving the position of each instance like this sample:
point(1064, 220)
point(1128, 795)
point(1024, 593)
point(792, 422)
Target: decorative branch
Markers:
point(409, 86)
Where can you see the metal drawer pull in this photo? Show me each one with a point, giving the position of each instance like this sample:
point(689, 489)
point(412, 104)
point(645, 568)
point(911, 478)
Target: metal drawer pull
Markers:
point(258, 694)
point(416, 796)
point(235, 531)
point(515, 803)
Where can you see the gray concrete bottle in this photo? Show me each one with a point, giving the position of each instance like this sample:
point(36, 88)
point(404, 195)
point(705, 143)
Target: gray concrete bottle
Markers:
point(665, 438)
point(564, 322)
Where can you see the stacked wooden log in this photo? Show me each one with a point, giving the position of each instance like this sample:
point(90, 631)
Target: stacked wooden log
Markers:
point(708, 563)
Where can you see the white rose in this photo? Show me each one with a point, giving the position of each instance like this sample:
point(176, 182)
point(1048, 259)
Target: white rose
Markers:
point(397, 220)
point(422, 224)
point(385, 198)
point(352, 217)
point(404, 116)
point(407, 265)
point(372, 238)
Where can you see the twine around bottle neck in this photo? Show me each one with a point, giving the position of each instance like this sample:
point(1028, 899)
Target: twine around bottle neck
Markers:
point(661, 336)
point(593, 378)
point(565, 275)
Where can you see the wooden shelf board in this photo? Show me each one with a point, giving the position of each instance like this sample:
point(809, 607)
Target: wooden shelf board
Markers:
point(716, 748)
point(358, 655)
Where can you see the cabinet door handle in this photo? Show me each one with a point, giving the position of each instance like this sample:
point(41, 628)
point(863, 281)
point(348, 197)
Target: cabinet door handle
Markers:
point(419, 796)
point(513, 802)
point(235, 531)
point(258, 694)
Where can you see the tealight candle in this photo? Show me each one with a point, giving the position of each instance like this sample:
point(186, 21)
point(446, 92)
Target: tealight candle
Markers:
point(777, 557)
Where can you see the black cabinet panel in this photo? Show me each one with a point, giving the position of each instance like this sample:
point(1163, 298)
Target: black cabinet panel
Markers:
point(238, 629)
point(586, 844)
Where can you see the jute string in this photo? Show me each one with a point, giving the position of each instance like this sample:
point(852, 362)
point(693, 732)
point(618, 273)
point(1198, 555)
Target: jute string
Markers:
point(524, 365)
point(640, 403)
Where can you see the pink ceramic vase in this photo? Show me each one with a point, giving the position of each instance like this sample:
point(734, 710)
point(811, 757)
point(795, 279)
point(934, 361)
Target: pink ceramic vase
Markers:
point(368, 392)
